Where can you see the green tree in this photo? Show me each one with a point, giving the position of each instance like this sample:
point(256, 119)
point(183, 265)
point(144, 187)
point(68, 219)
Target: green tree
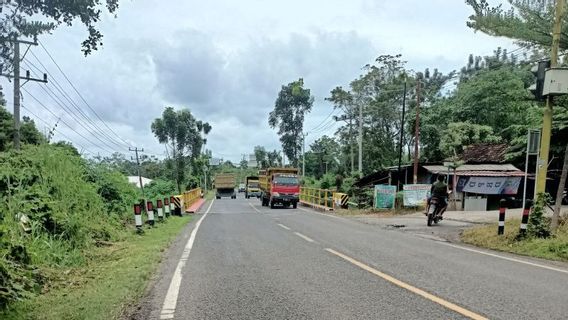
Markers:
point(343, 100)
point(261, 157)
point(180, 131)
point(527, 21)
point(33, 18)
point(28, 131)
point(293, 102)
point(461, 134)
point(274, 159)
point(325, 151)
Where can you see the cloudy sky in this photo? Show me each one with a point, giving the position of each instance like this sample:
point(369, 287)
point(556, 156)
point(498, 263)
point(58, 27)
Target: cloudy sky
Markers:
point(226, 60)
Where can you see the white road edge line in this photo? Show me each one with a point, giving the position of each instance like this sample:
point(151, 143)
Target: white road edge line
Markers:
point(255, 209)
point(169, 306)
point(322, 214)
point(447, 304)
point(505, 258)
point(304, 237)
point(283, 226)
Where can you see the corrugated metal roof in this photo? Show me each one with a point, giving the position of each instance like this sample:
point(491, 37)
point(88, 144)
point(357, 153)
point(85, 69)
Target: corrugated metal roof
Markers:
point(491, 173)
point(474, 167)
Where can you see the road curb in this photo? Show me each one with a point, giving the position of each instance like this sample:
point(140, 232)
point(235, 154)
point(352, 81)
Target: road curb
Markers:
point(196, 206)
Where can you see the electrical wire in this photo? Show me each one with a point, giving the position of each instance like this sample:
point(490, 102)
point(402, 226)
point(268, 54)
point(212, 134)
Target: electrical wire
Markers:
point(81, 96)
point(62, 91)
point(36, 117)
point(65, 123)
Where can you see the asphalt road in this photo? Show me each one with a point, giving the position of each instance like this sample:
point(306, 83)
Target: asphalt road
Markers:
point(246, 261)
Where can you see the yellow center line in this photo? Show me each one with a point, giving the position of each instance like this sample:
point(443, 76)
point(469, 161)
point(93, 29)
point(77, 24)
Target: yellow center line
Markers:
point(404, 285)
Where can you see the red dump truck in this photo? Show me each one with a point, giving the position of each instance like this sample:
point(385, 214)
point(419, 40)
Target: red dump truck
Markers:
point(279, 186)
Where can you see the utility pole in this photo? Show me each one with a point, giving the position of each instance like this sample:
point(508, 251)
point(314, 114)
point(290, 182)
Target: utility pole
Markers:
point(304, 135)
point(17, 98)
point(360, 138)
point(136, 150)
point(401, 134)
point(547, 118)
point(417, 132)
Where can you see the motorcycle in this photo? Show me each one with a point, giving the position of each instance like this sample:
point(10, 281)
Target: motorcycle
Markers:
point(433, 215)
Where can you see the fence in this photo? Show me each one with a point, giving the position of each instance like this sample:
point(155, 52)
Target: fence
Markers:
point(323, 198)
point(172, 205)
point(190, 197)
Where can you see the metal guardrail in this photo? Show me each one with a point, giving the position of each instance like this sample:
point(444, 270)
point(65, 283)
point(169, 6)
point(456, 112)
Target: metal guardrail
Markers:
point(190, 197)
point(320, 198)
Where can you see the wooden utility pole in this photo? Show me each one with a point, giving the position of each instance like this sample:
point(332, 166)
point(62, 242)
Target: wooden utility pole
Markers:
point(560, 193)
point(417, 132)
point(401, 136)
point(547, 117)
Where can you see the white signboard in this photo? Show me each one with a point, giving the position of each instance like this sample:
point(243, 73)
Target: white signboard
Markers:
point(416, 194)
point(491, 185)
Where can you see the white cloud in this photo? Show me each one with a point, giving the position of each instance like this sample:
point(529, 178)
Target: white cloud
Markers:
point(227, 60)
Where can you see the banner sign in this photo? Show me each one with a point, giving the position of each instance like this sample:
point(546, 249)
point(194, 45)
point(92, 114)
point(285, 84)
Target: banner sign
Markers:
point(416, 194)
point(489, 185)
point(384, 196)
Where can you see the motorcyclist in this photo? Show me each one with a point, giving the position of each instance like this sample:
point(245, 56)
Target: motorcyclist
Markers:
point(440, 191)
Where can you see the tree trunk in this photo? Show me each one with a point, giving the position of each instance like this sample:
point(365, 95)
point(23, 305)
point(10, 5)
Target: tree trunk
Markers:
point(559, 193)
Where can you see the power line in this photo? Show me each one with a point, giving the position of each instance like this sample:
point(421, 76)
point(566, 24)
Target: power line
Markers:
point(324, 120)
point(74, 104)
point(66, 124)
point(80, 95)
point(49, 124)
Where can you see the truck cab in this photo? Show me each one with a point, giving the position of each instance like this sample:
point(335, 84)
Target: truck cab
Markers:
point(252, 187)
point(280, 186)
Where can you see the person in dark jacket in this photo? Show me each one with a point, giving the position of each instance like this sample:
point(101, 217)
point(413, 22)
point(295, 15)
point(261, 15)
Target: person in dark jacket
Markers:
point(439, 190)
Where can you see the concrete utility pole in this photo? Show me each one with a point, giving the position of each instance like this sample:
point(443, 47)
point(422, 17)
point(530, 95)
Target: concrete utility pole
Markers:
point(417, 132)
point(17, 98)
point(136, 150)
point(360, 138)
point(304, 154)
point(547, 118)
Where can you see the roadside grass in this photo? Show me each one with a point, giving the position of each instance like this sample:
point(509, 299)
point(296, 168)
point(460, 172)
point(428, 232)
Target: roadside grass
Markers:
point(553, 248)
point(210, 195)
point(113, 278)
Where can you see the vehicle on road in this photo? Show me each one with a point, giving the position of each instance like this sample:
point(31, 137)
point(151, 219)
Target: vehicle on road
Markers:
point(433, 215)
point(252, 187)
point(242, 187)
point(279, 186)
point(225, 184)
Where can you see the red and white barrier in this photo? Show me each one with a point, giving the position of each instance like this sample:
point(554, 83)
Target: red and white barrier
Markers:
point(138, 216)
point(160, 210)
point(150, 210)
point(167, 206)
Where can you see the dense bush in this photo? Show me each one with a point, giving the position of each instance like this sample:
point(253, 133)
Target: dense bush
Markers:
point(160, 189)
point(53, 206)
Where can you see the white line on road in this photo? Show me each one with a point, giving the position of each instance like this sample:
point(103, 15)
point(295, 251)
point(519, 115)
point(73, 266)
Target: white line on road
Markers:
point(304, 237)
point(506, 258)
point(322, 214)
point(283, 226)
point(404, 285)
point(255, 209)
point(169, 306)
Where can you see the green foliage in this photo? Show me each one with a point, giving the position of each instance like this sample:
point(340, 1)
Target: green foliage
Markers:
point(33, 18)
point(539, 226)
point(322, 157)
point(266, 159)
point(53, 207)
point(185, 136)
point(28, 131)
point(293, 102)
point(527, 21)
point(460, 134)
point(159, 189)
